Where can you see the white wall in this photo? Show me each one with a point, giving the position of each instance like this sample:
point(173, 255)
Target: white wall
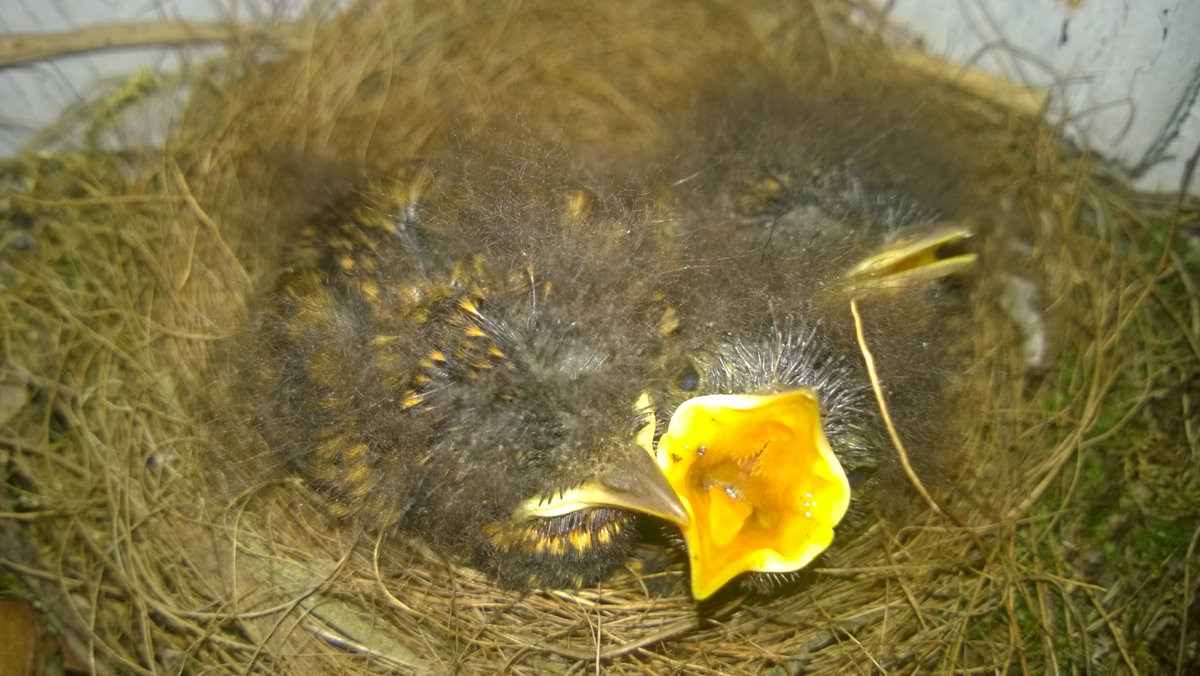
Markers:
point(1123, 74)
point(35, 94)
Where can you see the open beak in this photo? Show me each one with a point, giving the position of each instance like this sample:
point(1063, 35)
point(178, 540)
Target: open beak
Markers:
point(759, 481)
point(922, 255)
point(630, 480)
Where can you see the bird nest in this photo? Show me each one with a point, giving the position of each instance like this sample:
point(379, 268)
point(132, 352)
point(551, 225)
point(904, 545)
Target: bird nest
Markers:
point(156, 533)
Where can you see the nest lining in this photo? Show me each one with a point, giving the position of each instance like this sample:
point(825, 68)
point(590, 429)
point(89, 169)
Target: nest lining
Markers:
point(150, 555)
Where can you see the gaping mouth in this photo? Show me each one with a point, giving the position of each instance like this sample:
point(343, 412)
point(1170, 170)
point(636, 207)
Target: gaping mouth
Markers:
point(924, 254)
point(759, 481)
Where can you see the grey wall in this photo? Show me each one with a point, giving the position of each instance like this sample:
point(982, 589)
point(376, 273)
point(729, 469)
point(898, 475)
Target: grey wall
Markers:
point(1124, 75)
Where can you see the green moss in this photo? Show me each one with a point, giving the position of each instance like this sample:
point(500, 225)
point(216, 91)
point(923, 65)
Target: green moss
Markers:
point(1158, 540)
point(1121, 515)
point(11, 585)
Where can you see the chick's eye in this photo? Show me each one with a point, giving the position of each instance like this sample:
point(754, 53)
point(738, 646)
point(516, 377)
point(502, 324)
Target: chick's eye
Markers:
point(688, 380)
point(859, 476)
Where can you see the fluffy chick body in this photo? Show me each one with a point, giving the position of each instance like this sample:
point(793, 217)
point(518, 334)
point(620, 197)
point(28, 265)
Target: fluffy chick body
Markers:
point(772, 245)
point(438, 354)
point(791, 326)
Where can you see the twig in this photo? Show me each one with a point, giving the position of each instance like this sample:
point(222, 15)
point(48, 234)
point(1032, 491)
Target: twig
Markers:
point(1187, 603)
point(26, 47)
point(205, 219)
point(869, 360)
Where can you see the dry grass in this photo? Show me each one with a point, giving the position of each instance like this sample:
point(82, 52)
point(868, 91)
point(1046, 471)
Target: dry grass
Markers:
point(122, 273)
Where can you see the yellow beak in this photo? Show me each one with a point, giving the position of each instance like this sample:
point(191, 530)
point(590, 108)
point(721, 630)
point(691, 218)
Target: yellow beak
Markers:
point(759, 481)
point(921, 255)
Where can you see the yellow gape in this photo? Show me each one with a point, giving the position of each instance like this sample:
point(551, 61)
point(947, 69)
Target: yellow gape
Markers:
point(759, 481)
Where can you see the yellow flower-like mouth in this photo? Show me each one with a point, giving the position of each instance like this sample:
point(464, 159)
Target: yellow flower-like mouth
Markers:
point(759, 481)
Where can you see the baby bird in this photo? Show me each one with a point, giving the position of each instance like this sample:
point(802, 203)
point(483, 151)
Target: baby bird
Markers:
point(772, 436)
point(460, 359)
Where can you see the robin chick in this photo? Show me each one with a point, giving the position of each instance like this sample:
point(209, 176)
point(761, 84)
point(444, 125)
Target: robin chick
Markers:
point(460, 359)
point(771, 435)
